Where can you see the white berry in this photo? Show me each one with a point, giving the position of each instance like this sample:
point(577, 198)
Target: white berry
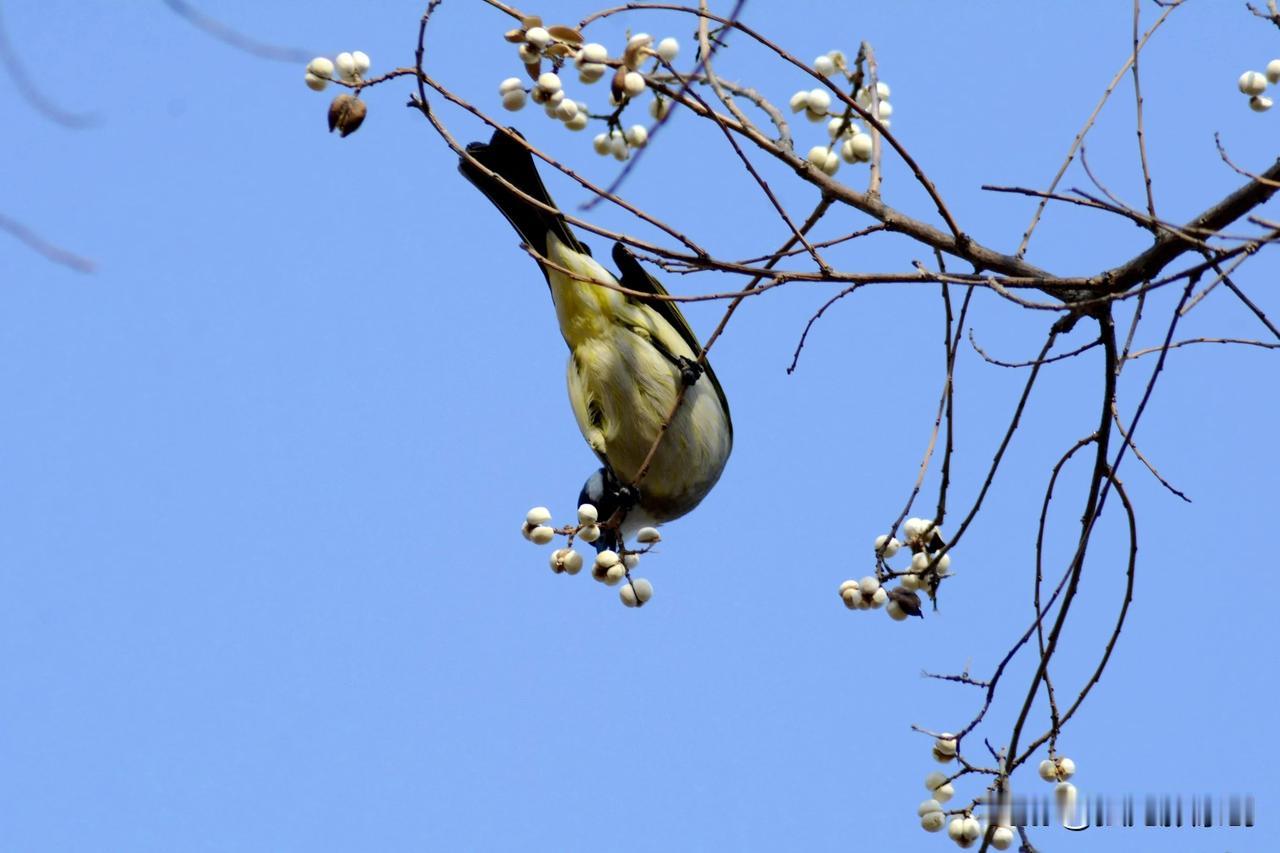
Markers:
point(633, 83)
point(895, 611)
point(538, 515)
point(314, 83)
point(593, 52)
point(321, 66)
point(819, 100)
point(628, 595)
point(514, 100)
point(644, 589)
point(567, 110)
point(618, 143)
point(886, 546)
point(882, 89)
point(668, 49)
point(944, 792)
point(630, 560)
point(799, 101)
point(615, 574)
point(1048, 771)
point(934, 779)
point(590, 72)
point(1273, 71)
point(538, 37)
point(510, 85)
point(361, 60)
point(549, 82)
point(1002, 838)
point(646, 535)
point(928, 806)
point(933, 821)
point(1252, 83)
point(824, 65)
point(541, 535)
point(1064, 794)
point(868, 585)
point(566, 560)
point(637, 136)
point(589, 534)
point(346, 64)
point(1260, 103)
point(886, 109)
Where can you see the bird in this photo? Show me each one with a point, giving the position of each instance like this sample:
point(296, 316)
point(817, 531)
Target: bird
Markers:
point(628, 357)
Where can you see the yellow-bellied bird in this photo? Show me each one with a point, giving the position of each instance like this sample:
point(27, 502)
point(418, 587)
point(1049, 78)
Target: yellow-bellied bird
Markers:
point(628, 357)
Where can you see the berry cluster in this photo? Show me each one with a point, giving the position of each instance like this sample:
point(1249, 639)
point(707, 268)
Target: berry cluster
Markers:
point(1058, 770)
point(610, 567)
point(928, 566)
point(346, 112)
point(350, 67)
point(1254, 83)
point(929, 562)
point(849, 140)
point(963, 828)
point(557, 45)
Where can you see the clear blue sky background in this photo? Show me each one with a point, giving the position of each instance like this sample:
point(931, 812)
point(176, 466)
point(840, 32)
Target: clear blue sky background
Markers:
point(261, 585)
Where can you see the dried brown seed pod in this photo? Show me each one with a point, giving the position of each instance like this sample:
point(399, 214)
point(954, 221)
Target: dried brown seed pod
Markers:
point(618, 85)
point(346, 114)
point(565, 34)
point(907, 600)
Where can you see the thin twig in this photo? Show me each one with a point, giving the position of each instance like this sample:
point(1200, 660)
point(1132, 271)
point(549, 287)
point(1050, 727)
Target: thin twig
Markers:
point(236, 39)
point(31, 93)
point(1088, 125)
point(34, 241)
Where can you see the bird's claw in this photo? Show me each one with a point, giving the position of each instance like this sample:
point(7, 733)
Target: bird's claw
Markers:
point(690, 371)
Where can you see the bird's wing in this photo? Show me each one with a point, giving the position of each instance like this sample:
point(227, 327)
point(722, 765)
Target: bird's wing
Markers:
point(635, 277)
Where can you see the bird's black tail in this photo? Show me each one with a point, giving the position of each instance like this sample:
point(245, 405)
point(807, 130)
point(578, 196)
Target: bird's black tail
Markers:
point(509, 159)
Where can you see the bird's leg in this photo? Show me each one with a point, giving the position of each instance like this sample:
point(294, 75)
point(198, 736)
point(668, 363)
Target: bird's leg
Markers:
point(690, 370)
point(626, 497)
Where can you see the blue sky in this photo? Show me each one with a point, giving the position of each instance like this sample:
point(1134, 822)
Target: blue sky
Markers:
point(261, 585)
